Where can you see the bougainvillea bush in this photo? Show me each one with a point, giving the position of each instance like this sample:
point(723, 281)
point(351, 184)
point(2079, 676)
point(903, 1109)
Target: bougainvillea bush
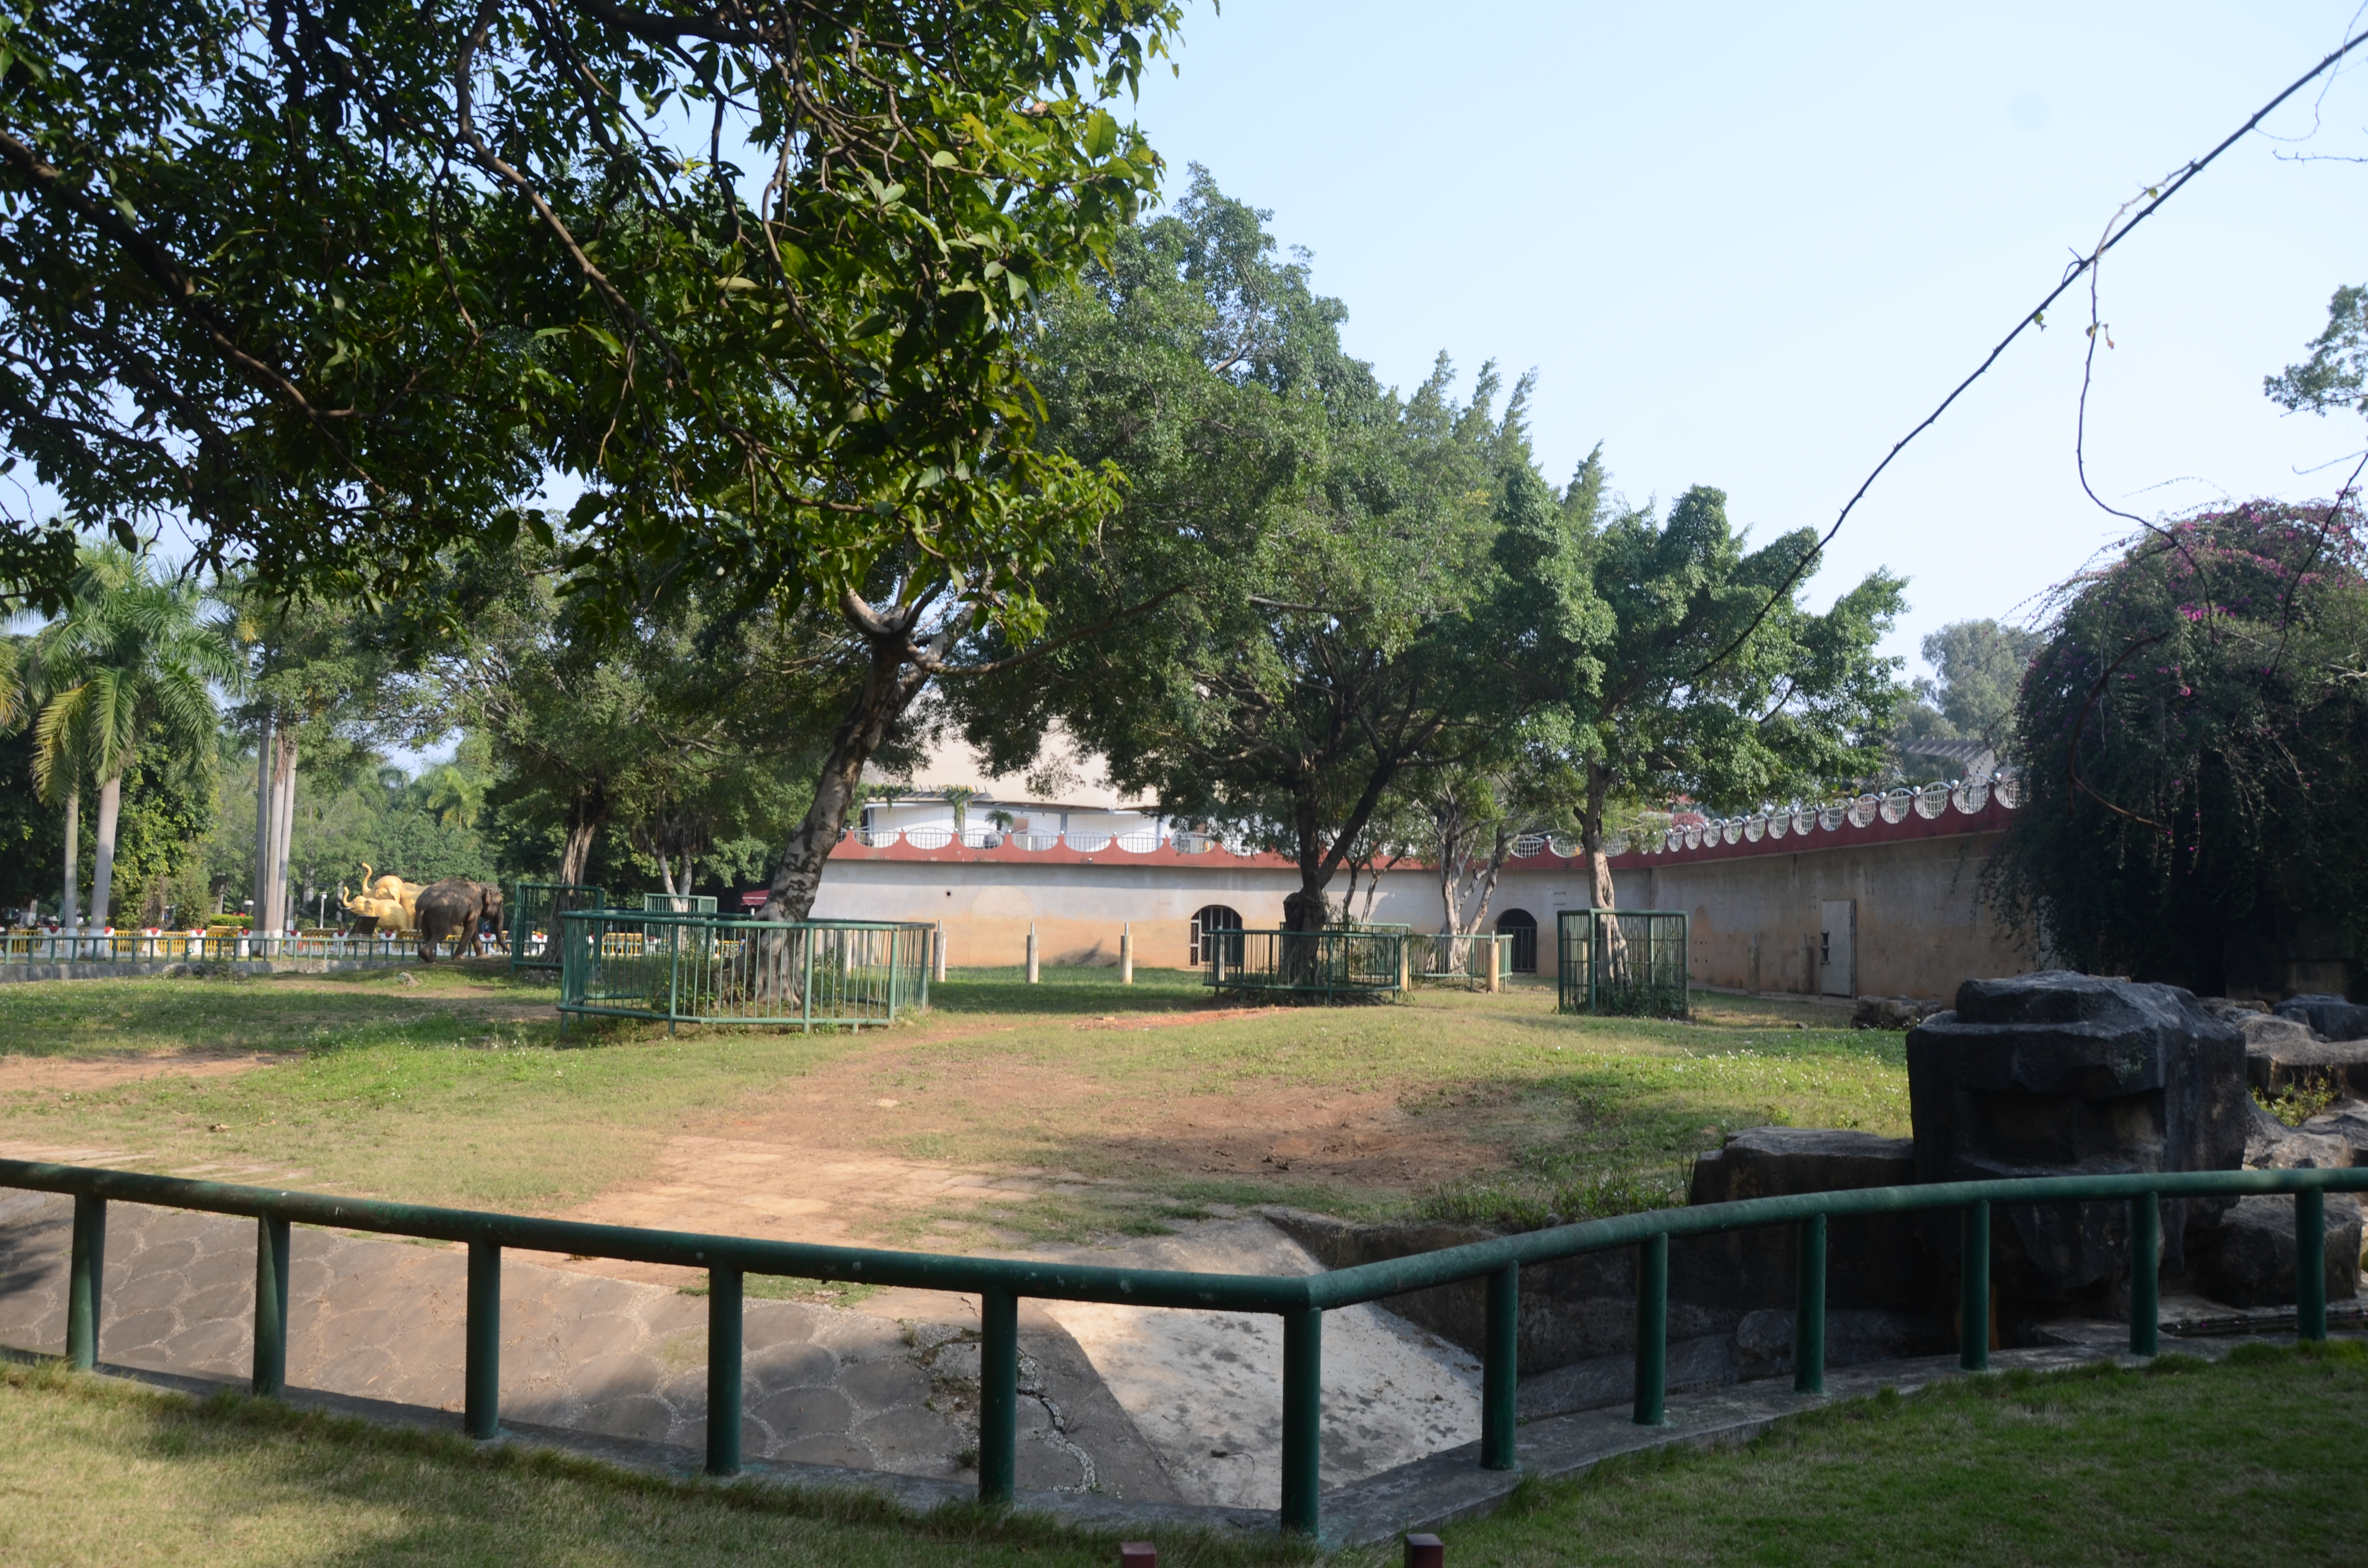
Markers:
point(2195, 733)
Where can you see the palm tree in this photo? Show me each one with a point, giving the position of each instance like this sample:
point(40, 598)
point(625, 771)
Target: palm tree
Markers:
point(127, 666)
point(452, 794)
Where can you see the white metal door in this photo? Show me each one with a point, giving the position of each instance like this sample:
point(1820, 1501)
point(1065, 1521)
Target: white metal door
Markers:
point(1838, 947)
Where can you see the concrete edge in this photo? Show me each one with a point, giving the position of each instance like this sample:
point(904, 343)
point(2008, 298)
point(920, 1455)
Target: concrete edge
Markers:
point(1439, 1489)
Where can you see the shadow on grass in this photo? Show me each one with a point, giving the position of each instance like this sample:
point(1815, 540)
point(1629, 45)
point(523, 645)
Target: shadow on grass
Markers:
point(228, 1469)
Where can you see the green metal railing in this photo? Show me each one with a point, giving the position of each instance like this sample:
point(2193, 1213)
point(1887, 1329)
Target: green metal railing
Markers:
point(1445, 958)
point(535, 909)
point(1627, 960)
point(679, 903)
point(1300, 1300)
point(710, 969)
point(1311, 963)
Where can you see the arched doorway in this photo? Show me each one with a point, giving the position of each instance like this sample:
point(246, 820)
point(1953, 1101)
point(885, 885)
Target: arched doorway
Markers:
point(1213, 917)
point(1522, 926)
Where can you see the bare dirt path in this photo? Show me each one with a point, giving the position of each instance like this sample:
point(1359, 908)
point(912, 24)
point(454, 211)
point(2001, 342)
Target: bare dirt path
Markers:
point(75, 1075)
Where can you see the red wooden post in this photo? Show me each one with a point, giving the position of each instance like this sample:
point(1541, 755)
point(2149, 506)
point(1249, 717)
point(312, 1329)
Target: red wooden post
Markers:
point(1137, 1554)
point(1425, 1551)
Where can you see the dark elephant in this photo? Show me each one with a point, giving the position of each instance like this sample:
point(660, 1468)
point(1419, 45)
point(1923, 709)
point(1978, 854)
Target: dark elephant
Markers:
point(453, 910)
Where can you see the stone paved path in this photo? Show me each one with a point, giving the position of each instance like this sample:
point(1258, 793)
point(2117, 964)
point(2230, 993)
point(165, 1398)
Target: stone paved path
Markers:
point(1151, 1405)
point(383, 1320)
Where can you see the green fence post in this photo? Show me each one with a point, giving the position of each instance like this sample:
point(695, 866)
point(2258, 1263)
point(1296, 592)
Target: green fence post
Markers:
point(481, 1414)
point(270, 1307)
point(86, 1279)
point(674, 972)
point(998, 1396)
point(1809, 1310)
point(1652, 1330)
point(2310, 1263)
point(1302, 1419)
point(805, 985)
point(723, 1320)
point(1973, 1298)
point(1501, 1369)
point(2145, 1274)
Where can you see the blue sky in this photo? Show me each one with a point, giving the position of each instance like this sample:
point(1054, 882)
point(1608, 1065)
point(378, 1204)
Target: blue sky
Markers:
point(1752, 246)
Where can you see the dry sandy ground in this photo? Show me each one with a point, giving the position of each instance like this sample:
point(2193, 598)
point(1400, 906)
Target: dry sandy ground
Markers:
point(75, 1075)
point(828, 1162)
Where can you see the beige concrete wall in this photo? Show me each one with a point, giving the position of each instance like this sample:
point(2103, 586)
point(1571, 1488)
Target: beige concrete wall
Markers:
point(1078, 910)
point(1922, 928)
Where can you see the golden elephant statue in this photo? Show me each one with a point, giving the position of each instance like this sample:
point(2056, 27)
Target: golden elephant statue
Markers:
point(388, 902)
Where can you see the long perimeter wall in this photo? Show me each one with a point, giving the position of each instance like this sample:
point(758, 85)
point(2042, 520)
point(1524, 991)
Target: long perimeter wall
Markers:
point(1910, 891)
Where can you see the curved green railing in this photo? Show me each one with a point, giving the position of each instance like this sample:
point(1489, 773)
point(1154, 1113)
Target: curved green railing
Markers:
point(1300, 1302)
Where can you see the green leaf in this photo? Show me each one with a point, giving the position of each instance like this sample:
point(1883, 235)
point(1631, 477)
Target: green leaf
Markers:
point(1101, 135)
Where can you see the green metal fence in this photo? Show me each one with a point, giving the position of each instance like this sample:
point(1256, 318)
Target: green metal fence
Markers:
point(1445, 958)
point(1329, 964)
point(1627, 961)
point(535, 909)
point(679, 903)
point(1300, 1300)
point(708, 969)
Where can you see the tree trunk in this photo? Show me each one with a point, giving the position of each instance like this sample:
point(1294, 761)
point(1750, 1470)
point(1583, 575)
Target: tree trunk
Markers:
point(588, 810)
point(1610, 947)
point(102, 879)
point(1590, 836)
point(283, 821)
point(70, 905)
point(267, 832)
point(890, 685)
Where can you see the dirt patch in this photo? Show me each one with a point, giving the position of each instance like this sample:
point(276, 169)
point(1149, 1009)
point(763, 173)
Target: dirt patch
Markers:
point(74, 1075)
point(850, 1154)
point(1131, 1021)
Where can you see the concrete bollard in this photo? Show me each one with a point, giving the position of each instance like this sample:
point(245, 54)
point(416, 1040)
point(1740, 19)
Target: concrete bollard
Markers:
point(1126, 954)
point(938, 955)
point(1032, 975)
point(1495, 967)
point(1425, 1551)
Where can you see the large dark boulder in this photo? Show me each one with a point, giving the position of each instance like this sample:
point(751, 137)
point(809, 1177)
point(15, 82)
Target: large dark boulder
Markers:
point(2058, 1073)
point(1872, 1260)
point(2249, 1260)
point(2331, 1017)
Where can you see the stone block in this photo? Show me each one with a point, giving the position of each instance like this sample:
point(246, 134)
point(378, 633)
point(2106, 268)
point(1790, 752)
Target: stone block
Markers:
point(1872, 1260)
point(2058, 1073)
point(2249, 1260)
point(1572, 1311)
point(2331, 1017)
point(2302, 1060)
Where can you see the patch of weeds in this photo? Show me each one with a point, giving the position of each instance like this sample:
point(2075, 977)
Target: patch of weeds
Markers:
point(1523, 1207)
point(789, 1287)
point(2300, 1100)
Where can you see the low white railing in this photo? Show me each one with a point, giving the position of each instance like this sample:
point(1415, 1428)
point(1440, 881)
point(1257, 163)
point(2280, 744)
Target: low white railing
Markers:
point(169, 947)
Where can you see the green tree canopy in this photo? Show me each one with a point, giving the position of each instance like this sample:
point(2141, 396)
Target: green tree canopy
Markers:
point(1625, 623)
point(2335, 374)
point(1281, 620)
point(339, 283)
point(2192, 734)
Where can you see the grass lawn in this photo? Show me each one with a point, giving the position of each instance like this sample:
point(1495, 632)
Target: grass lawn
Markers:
point(2249, 1462)
point(2220, 1466)
point(1126, 1106)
